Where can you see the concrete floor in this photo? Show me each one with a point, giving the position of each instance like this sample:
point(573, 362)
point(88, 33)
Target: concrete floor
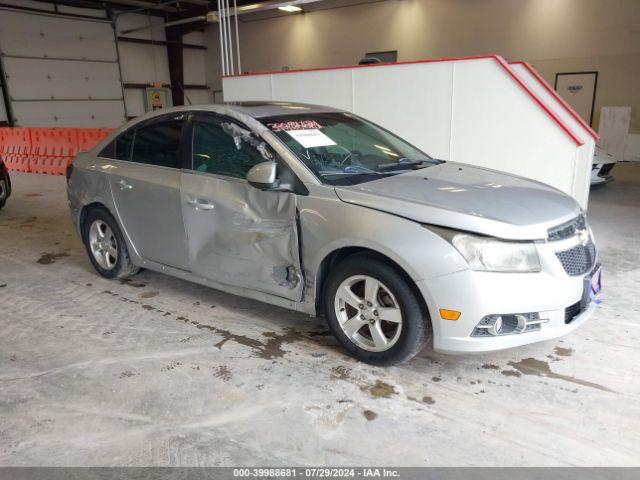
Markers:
point(158, 371)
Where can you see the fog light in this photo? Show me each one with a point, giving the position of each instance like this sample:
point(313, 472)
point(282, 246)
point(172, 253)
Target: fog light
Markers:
point(511, 324)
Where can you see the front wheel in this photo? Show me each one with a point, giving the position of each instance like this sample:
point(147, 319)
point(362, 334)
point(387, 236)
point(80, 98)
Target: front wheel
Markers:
point(373, 311)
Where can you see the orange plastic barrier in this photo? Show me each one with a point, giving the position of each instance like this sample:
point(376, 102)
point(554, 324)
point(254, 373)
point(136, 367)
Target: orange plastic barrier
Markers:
point(34, 159)
point(90, 137)
point(22, 159)
point(58, 147)
point(46, 150)
point(15, 143)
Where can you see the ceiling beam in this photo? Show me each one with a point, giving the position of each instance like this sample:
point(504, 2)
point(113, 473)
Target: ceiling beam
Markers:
point(159, 42)
point(144, 4)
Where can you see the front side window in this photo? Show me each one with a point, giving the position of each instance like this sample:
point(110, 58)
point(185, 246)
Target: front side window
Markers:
point(218, 148)
point(342, 149)
point(158, 144)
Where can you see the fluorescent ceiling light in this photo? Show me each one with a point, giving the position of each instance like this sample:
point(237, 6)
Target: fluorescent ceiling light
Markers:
point(252, 6)
point(290, 8)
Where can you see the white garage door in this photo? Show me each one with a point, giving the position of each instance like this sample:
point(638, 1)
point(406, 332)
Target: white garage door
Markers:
point(61, 72)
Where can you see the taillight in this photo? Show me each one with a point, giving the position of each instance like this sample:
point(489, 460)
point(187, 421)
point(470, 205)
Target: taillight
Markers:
point(69, 171)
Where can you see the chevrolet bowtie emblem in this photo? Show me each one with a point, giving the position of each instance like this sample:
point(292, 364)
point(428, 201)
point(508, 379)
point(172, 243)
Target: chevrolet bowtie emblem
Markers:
point(583, 235)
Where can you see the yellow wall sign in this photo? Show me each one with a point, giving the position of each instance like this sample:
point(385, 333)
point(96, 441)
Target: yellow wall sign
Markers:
point(157, 98)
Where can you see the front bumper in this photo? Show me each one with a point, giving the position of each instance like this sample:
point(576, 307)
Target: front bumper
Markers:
point(600, 174)
point(478, 294)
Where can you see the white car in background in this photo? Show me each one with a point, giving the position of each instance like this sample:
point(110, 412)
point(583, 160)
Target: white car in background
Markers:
point(603, 163)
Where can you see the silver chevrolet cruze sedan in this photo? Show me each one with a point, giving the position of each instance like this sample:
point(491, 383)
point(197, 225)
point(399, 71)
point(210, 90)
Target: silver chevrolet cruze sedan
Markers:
point(318, 210)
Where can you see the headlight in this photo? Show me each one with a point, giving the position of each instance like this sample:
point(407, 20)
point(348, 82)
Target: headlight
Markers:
point(493, 255)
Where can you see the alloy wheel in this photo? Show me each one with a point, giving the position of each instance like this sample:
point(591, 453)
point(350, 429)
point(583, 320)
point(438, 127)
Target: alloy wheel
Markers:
point(368, 313)
point(103, 244)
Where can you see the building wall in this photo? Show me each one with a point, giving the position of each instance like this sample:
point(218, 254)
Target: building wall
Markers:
point(63, 71)
point(554, 35)
point(60, 71)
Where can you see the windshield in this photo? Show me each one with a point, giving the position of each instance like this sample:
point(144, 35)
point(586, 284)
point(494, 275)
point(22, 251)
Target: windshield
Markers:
point(342, 149)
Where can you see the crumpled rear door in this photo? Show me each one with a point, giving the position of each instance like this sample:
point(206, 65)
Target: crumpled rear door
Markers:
point(242, 236)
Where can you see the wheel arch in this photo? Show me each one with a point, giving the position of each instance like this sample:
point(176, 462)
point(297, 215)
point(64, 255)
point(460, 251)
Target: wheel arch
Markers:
point(333, 258)
point(84, 211)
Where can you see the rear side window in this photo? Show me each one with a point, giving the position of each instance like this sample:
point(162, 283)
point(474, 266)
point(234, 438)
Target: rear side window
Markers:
point(120, 148)
point(123, 145)
point(158, 144)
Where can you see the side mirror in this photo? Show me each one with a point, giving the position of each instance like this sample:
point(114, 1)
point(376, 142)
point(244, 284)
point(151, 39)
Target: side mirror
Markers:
point(263, 176)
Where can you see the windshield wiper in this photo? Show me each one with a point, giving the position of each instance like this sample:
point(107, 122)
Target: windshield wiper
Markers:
point(405, 164)
point(364, 172)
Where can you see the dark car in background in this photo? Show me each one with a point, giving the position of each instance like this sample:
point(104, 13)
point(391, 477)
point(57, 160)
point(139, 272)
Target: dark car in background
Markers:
point(5, 183)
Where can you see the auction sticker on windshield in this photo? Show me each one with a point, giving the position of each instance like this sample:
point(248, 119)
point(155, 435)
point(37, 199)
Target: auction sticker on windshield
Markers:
point(311, 138)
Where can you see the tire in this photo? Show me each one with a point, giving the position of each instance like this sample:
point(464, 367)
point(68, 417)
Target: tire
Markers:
point(7, 192)
point(394, 296)
point(118, 264)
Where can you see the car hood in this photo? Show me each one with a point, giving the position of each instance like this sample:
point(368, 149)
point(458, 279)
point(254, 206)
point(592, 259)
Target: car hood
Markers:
point(468, 198)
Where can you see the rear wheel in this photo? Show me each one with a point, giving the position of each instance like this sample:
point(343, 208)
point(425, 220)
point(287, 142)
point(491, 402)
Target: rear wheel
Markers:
point(106, 246)
point(373, 311)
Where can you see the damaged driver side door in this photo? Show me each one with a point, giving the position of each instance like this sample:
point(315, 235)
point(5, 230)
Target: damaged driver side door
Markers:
point(238, 235)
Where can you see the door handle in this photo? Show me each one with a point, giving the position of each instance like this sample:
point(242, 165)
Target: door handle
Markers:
point(124, 185)
point(200, 204)
point(204, 206)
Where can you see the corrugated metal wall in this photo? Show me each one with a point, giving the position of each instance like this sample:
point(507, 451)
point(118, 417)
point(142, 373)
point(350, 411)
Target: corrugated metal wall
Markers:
point(194, 69)
point(145, 64)
point(141, 64)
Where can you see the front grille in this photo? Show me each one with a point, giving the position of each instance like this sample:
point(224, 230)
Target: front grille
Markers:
point(572, 312)
point(579, 259)
point(606, 169)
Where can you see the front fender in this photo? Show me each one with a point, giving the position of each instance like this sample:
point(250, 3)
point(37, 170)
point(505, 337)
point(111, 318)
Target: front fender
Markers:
point(329, 224)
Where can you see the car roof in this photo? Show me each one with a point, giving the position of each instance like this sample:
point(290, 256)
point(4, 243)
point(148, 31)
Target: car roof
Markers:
point(273, 109)
point(251, 109)
point(255, 110)
point(248, 112)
